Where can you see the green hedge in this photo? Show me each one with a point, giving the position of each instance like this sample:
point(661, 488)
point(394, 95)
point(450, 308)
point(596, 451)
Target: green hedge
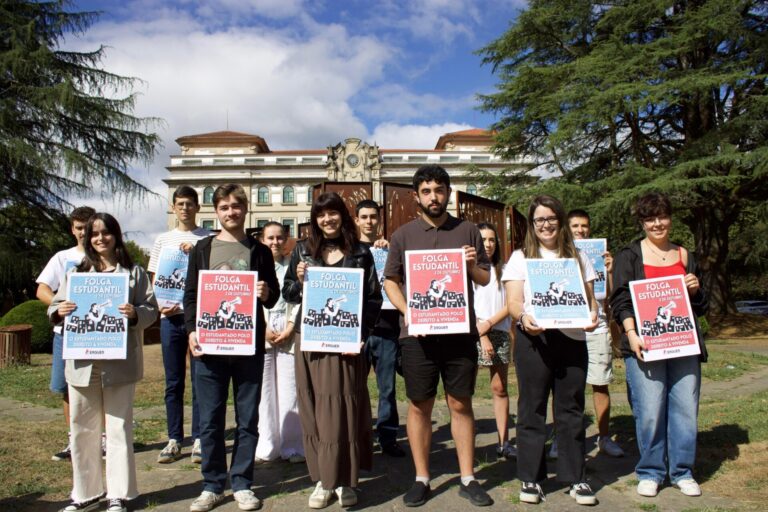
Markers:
point(32, 312)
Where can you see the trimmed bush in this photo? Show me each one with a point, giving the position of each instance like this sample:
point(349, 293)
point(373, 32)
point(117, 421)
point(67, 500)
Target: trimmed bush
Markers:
point(32, 312)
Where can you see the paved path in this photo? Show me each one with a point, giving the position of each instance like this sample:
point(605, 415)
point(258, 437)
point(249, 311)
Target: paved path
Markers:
point(286, 487)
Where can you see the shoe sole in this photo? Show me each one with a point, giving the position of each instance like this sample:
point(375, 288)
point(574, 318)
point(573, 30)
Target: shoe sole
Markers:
point(533, 499)
point(89, 508)
point(476, 503)
point(582, 500)
point(56, 458)
point(196, 460)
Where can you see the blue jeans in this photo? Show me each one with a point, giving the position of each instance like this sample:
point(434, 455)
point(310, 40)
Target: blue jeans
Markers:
point(212, 379)
point(173, 339)
point(381, 354)
point(58, 381)
point(665, 403)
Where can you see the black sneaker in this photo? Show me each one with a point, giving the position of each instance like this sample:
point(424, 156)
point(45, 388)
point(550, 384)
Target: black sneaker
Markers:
point(475, 494)
point(82, 506)
point(116, 505)
point(417, 495)
point(583, 494)
point(531, 492)
point(65, 454)
point(392, 449)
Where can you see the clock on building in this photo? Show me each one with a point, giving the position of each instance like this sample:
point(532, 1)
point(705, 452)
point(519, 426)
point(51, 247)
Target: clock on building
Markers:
point(353, 160)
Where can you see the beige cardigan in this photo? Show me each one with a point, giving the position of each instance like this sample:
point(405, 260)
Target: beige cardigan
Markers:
point(116, 372)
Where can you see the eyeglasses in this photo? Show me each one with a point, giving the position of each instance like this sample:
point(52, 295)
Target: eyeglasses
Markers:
point(540, 221)
point(653, 220)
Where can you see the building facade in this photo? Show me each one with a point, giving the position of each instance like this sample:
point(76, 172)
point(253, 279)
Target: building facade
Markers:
point(280, 183)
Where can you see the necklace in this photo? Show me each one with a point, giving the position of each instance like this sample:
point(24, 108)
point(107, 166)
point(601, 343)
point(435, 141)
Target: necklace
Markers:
point(653, 250)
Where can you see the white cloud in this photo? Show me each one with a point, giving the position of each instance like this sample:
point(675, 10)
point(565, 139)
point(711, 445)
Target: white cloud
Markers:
point(395, 102)
point(412, 136)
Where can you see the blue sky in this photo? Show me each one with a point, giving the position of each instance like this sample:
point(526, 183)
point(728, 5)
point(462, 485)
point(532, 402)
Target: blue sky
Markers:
point(300, 73)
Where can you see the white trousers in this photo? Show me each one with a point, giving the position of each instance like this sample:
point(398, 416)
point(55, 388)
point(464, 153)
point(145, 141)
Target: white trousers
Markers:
point(279, 424)
point(87, 407)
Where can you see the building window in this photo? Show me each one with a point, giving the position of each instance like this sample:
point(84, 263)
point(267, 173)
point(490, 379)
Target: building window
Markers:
point(290, 227)
point(208, 195)
point(208, 224)
point(263, 196)
point(288, 195)
point(472, 189)
point(310, 190)
point(261, 223)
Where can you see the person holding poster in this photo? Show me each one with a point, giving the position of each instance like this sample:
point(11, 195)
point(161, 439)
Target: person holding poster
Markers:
point(231, 250)
point(600, 370)
point(382, 350)
point(665, 393)
point(493, 347)
point(104, 389)
point(173, 335)
point(428, 358)
point(279, 424)
point(549, 360)
point(334, 405)
point(48, 283)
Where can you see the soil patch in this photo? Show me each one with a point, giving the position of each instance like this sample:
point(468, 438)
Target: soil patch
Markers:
point(739, 325)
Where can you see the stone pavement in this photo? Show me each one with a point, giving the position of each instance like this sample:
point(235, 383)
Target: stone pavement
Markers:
point(286, 487)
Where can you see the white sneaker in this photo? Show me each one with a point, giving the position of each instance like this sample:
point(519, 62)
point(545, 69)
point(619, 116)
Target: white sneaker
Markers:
point(689, 487)
point(170, 453)
point(583, 494)
point(553, 450)
point(197, 453)
point(246, 500)
point(206, 501)
point(608, 446)
point(347, 496)
point(320, 498)
point(647, 488)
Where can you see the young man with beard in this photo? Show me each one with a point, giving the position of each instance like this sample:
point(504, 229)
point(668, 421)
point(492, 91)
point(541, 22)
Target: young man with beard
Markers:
point(231, 249)
point(381, 347)
point(453, 357)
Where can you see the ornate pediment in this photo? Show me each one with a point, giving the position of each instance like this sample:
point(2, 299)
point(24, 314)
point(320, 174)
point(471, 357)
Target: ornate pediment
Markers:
point(353, 160)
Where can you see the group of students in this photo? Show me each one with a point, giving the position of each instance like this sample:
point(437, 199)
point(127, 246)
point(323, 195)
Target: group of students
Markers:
point(314, 406)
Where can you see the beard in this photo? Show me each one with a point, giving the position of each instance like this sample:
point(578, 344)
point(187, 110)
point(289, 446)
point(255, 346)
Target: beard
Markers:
point(432, 213)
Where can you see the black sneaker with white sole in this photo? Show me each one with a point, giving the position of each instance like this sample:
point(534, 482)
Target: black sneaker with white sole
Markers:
point(583, 494)
point(82, 506)
point(530, 492)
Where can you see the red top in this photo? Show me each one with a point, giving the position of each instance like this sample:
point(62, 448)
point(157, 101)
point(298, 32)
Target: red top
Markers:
point(675, 269)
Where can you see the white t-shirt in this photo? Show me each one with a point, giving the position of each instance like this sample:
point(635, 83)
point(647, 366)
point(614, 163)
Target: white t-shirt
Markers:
point(489, 300)
point(53, 273)
point(517, 270)
point(173, 239)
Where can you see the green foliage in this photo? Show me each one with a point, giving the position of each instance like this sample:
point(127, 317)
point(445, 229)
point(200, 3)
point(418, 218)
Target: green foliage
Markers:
point(613, 100)
point(139, 255)
point(32, 312)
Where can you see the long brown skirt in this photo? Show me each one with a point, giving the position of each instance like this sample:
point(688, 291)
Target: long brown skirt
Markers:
point(335, 412)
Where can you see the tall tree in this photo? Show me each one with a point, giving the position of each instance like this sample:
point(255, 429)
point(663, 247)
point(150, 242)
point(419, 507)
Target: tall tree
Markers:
point(616, 98)
point(66, 129)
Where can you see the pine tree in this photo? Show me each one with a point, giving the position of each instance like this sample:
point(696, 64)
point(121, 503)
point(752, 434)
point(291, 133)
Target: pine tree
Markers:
point(616, 98)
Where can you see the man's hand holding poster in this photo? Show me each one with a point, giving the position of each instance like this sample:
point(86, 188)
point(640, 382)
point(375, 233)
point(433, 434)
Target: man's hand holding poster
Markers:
point(170, 277)
point(226, 312)
point(558, 296)
point(664, 318)
point(594, 248)
point(380, 259)
point(96, 329)
point(332, 310)
point(436, 292)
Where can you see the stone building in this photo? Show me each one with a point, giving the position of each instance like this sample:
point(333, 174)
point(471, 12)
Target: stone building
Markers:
point(280, 183)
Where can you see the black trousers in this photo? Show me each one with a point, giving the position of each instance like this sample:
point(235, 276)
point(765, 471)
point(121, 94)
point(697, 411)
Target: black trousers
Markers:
point(550, 362)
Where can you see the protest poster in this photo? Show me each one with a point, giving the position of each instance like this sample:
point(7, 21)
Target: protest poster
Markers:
point(594, 248)
point(96, 329)
point(436, 291)
point(171, 277)
point(380, 259)
point(332, 310)
point(558, 295)
point(226, 312)
point(664, 318)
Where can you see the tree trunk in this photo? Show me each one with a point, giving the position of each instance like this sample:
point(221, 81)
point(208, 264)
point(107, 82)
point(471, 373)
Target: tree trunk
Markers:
point(710, 231)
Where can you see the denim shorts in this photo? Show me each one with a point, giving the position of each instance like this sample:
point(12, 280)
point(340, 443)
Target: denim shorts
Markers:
point(58, 381)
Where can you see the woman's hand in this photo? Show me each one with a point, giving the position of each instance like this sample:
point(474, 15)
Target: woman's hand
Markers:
point(127, 310)
point(284, 336)
point(354, 353)
point(483, 327)
point(66, 308)
point(692, 283)
point(262, 291)
point(486, 348)
point(270, 335)
point(301, 270)
point(530, 326)
point(194, 346)
point(636, 344)
point(593, 317)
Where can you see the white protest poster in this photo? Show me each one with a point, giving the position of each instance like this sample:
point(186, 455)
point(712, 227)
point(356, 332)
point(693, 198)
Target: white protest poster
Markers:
point(96, 329)
point(332, 310)
point(558, 295)
point(436, 292)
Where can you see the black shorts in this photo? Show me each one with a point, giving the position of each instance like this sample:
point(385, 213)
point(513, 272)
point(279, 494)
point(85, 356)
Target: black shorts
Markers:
point(425, 360)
